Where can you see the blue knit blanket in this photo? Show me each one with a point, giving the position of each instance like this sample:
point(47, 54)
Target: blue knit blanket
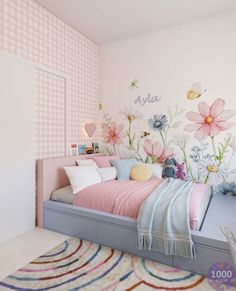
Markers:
point(163, 220)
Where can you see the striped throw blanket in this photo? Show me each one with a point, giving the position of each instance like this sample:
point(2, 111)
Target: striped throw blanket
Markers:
point(163, 220)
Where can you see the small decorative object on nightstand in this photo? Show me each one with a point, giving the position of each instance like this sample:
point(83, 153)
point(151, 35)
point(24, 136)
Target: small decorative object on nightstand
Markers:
point(95, 146)
point(89, 150)
point(81, 149)
point(73, 149)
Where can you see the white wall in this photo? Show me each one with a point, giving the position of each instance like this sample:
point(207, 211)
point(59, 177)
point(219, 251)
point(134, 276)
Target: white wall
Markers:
point(17, 153)
point(166, 64)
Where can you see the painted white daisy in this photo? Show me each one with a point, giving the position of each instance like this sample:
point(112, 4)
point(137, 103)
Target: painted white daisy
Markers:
point(212, 172)
point(130, 114)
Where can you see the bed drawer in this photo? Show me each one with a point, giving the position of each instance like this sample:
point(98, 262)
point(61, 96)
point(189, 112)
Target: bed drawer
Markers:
point(125, 239)
point(69, 224)
point(206, 257)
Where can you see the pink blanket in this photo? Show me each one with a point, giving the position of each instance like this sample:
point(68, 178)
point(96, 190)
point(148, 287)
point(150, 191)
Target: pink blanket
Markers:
point(125, 197)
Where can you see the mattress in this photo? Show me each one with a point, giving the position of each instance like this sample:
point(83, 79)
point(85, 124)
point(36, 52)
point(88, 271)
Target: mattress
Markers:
point(64, 195)
point(126, 196)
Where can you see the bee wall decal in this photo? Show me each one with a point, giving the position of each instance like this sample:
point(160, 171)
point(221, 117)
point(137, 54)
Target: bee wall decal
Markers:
point(144, 134)
point(195, 91)
point(133, 84)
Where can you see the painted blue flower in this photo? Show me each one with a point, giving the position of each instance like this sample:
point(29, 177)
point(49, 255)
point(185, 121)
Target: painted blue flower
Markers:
point(159, 122)
point(226, 189)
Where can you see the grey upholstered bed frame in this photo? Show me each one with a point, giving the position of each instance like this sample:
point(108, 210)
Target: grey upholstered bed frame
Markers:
point(121, 232)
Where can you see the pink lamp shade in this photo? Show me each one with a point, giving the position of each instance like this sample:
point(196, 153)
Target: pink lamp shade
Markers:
point(90, 129)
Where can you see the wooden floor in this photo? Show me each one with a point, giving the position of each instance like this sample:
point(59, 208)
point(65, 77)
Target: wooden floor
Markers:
point(24, 248)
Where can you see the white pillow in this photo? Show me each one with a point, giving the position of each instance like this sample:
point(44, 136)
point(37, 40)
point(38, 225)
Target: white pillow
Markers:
point(86, 162)
point(82, 177)
point(107, 174)
point(156, 170)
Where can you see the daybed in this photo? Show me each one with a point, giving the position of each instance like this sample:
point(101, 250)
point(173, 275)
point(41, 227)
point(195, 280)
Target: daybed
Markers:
point(120, 232)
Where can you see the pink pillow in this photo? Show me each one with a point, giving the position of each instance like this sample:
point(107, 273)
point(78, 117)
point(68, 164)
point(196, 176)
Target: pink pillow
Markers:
point(104, 162)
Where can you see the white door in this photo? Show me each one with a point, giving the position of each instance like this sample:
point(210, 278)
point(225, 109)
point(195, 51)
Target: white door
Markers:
point(17, 157)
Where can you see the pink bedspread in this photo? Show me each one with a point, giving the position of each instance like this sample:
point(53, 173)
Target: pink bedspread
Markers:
point(125, 197)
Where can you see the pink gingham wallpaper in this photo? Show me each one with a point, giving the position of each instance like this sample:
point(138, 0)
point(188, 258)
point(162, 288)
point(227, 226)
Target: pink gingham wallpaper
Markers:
point(68, 62)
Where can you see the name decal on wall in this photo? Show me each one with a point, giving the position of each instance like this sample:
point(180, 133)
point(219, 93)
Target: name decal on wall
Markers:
point(145, 100)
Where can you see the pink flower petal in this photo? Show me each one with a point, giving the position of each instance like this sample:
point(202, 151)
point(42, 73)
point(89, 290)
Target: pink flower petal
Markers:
point(167, 153)
point(217, 107)
point(195, 117)
point(106, 131)
point(119, 128)
point(211, 126)
point(118, 140)
point(214, 129)
point(203, 132)
point(193, 126)
point(113, 126)
point(204, 109)
point(157, 149)
point(225, 115)
point(147, 146)
point(108, 139)
point(114, 138)
point(224, 125)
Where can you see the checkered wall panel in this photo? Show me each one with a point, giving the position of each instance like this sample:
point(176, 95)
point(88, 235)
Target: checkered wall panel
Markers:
point(31, 32)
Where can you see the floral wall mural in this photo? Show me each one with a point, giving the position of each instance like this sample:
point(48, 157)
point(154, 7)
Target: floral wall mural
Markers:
point(201, 144)
point(182, 81)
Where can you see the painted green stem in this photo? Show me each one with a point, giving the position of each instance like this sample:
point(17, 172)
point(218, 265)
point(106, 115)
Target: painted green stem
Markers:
point(207, 178)
point(136, 151)
point(129, 134)
point(214, 147)
point(114, 148)
point(222, 152)
point(162, 138)
point(188, 170)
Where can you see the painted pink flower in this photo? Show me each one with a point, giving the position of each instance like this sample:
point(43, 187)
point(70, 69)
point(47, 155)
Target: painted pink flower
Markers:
point(112, 133)
point(156, 151)
point(210, 120)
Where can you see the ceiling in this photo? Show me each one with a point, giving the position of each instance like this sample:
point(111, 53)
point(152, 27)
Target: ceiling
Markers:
point(109, 20)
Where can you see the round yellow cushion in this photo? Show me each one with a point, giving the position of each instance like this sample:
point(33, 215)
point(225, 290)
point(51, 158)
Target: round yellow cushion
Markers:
point(141, 173)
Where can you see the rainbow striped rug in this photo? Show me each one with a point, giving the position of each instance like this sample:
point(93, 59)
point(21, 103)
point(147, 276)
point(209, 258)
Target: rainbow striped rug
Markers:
point(82, 265)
